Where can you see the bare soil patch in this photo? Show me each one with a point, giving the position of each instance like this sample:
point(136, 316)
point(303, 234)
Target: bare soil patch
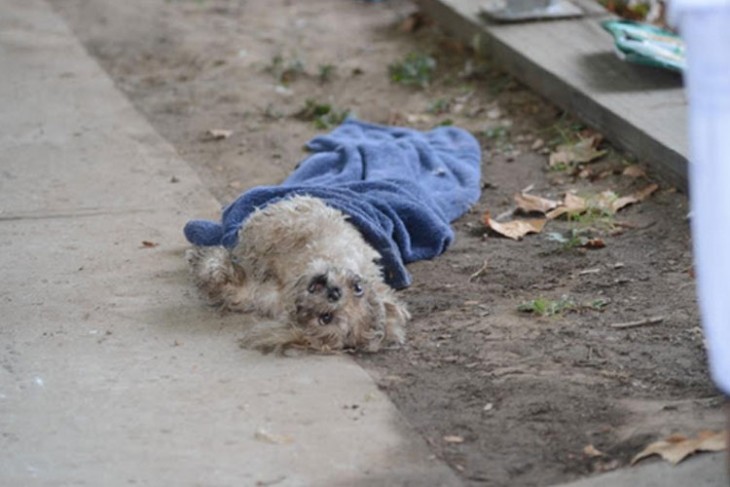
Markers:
point(505, 397)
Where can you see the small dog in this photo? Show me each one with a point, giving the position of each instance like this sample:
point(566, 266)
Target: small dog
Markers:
point(302, 265)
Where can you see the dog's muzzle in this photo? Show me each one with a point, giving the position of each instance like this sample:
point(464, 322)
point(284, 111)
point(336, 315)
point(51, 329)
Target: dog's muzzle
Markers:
point(320, 283)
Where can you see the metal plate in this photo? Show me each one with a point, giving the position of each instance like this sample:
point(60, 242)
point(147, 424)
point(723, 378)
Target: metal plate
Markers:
point(527, 10)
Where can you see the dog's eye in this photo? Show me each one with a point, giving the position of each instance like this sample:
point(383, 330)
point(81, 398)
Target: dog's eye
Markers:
point(325, 318)
point(357, 289)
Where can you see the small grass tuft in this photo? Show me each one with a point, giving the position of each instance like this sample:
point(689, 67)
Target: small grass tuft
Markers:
point(323, 115)
point(415, 69)
point(565, 130)
point(439, 106)
point(286, 70)
point(499, 132)
point(597, 304)
point(271, 112)
point(591, 217)
point(499, 136)
point(326, 72)
point(572, 239)
point(547, 307)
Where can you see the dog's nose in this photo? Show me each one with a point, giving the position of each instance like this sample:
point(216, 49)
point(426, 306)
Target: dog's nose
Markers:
point(334, 294)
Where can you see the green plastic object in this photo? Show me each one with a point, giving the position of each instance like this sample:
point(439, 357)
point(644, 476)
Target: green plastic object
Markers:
point(646, 44)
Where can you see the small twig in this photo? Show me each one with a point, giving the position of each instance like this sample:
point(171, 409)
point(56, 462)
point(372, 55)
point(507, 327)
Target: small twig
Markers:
point(277, 480)
point(590, 271)
point(482, 270)
point(528, 189)
point(504, 215)
point(620, 225)
point(654, 320)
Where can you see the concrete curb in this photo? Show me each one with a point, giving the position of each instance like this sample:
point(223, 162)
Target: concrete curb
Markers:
point(703, 471)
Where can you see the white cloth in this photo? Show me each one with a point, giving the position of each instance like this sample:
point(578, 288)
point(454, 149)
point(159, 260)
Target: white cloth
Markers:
point(705, 27)
point(677, 7)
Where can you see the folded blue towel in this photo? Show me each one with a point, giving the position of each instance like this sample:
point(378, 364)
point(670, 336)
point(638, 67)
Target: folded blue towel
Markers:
point(400, 187)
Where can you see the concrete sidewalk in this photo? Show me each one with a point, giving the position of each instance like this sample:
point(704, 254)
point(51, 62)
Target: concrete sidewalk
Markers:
point(113, 372)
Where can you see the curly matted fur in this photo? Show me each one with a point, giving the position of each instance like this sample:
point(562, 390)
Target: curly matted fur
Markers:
point(301, 265)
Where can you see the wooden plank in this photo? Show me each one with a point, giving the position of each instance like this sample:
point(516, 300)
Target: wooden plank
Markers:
point(572, 63)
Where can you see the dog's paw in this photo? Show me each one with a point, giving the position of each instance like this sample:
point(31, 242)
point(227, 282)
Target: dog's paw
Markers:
point(388, 328)
point(276, 337)
point(214, 272)
point(396, 317)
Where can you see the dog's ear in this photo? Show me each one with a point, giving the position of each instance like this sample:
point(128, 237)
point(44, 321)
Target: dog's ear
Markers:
point(396, 317)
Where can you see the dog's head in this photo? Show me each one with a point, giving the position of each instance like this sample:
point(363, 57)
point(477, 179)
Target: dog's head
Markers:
point(337, 308)
point(332, 309)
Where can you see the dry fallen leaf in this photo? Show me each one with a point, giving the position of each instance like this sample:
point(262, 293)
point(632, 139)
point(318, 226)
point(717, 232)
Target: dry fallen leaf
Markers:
point(634, 171)
point(409, 24)
point(515, 229)
point(571, 204)
point(218, 134)
point(606, 201)
point(592, 451)
point(606, 466)
point(574, 202)
point(594, 243)
point(586, 173)
point(266, 437)
point(676, 448)
point(604, 174)
point(580, 152)
point(637, 197)
point(148, 245)
point(453, 439)
point(494, 113)
point(530, 203)
point(418, 118)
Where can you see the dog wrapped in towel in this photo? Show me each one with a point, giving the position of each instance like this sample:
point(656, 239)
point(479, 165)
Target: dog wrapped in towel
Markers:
point(319, 256)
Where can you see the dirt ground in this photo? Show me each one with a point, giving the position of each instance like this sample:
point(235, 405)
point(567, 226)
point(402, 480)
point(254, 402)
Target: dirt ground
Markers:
point(505, 397)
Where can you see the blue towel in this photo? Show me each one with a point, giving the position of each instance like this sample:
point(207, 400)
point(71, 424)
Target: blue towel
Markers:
point(400, 187)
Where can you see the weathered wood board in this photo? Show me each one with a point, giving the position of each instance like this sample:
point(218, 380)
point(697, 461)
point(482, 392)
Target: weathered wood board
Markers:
point(572, 63)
